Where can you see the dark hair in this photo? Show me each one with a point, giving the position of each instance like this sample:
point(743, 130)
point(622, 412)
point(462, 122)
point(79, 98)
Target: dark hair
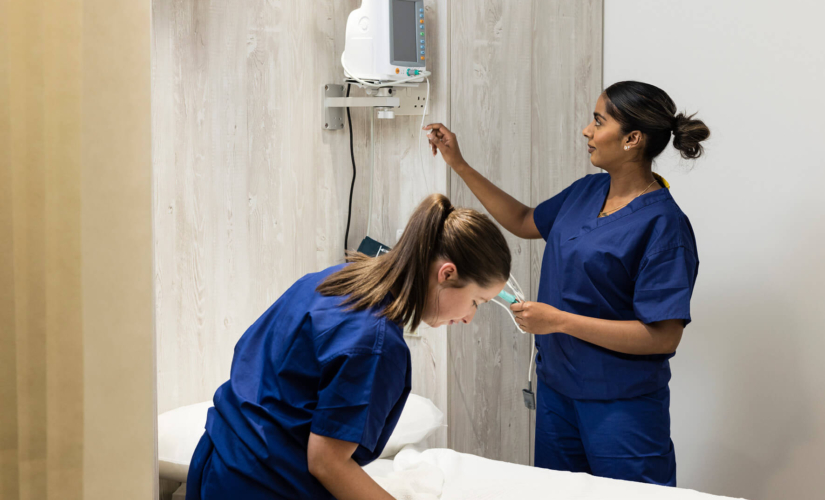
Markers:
point(648, 109)
point(435, 230)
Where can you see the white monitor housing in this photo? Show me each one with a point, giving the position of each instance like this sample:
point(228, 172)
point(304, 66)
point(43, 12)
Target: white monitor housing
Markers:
point(385, 41)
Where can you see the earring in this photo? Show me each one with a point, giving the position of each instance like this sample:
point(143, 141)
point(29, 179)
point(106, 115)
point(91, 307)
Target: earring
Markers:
point(626, 148)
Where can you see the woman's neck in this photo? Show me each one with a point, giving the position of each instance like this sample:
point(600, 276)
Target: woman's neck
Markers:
point(630, 179)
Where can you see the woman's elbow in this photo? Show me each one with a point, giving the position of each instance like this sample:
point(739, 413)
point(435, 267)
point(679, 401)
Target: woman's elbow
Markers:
point(327, 456)
point(669, 335)
point(318, 466)
point(671, 344)
point(317, 460)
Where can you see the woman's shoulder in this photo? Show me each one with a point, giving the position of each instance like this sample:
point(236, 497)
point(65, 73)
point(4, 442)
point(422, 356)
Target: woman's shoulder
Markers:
point(590, 181)
point(581, 187)
point(361, 332)
point(670, 227)
point(338, 328)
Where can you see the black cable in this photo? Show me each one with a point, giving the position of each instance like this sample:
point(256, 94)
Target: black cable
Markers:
point(352, 187)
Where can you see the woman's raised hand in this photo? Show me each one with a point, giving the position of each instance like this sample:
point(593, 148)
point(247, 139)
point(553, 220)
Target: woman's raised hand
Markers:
point(441, 139)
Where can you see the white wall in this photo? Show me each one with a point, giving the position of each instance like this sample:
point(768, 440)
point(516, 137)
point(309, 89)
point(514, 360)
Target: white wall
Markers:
point(748, 389)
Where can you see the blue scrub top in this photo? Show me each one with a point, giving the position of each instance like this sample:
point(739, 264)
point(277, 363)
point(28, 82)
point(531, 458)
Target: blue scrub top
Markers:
point(309, 365)
point(639, 263)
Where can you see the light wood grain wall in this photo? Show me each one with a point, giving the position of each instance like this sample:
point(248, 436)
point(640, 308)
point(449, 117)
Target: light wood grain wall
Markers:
point(525, 79)
point(251, 193)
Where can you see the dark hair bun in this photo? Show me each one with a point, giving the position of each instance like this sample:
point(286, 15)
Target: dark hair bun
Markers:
point(688, 134)
point(648, 109)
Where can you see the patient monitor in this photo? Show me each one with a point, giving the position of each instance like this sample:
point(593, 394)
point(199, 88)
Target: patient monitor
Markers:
point(385, 41)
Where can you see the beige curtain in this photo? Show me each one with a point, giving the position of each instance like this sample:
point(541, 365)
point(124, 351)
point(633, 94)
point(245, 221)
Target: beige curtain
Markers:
point(77, 390)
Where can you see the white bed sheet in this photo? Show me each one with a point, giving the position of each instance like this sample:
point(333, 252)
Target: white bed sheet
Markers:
point(416, 475)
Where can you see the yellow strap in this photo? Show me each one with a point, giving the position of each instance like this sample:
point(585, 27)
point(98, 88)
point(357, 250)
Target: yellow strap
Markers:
point(661, 180)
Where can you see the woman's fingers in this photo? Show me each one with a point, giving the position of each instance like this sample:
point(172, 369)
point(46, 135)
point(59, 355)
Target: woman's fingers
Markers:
point(439, 131)
point(444, 141)
point(433, 142)
point(437, 127)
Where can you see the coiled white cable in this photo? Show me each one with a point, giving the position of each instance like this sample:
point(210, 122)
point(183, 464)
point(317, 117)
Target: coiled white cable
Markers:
point(372, 167)
point(391, 83)
point(420, 131)
point(519, 294)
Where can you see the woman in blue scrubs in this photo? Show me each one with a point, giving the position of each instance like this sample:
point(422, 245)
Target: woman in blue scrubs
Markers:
point(614, 294)
point(319, 381)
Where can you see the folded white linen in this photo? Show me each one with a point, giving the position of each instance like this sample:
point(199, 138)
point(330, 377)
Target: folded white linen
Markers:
point(448, 475)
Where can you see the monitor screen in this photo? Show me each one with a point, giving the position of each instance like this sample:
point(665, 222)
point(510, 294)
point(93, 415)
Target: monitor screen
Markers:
point(404, 24)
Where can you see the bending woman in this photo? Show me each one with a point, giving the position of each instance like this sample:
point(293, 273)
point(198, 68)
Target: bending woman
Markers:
point(614, 293)
point(319, 381)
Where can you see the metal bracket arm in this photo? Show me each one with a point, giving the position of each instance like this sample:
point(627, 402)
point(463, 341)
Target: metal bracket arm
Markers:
point(362, 102)
point(404, 101)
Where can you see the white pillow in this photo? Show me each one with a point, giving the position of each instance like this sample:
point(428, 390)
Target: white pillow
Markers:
point(180, 430)
point(418, 421)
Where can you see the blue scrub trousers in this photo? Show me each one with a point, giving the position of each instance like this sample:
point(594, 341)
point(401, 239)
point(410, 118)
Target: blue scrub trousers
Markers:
point(210, 479)
point(625, 439)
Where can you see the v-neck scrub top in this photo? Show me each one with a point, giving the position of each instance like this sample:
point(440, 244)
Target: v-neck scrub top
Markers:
point(308, 364)
point(639, 263)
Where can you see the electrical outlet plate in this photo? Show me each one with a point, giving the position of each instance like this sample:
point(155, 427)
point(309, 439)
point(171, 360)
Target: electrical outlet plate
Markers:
point(413, 101)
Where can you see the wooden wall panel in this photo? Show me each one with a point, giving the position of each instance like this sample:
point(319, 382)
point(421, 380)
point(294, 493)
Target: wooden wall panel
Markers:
point(250, 191)
point(490, 115)
point(525, 77)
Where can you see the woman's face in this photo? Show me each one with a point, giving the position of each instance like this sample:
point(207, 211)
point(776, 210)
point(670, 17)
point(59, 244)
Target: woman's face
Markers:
point(447, 304)
point(605, 140)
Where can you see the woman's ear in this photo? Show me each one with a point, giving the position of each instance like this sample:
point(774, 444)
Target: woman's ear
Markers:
point(634, 139)
point(447, 272)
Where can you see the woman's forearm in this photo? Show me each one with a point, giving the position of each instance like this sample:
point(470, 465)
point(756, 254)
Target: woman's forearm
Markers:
point(628, 337)
point(330, 461)
point(512, 214)
point(348, 481)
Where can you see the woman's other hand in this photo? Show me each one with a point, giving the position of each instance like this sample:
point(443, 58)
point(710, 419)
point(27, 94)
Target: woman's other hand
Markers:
point(537, 318)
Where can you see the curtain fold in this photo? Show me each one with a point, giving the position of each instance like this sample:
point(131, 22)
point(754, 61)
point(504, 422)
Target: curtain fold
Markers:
point(77, 383)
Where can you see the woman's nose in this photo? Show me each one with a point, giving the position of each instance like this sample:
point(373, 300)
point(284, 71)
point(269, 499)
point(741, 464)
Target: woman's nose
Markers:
point(469, 317)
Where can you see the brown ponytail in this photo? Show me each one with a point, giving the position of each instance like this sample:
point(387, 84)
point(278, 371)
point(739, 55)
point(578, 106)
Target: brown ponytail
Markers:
point(435, 230)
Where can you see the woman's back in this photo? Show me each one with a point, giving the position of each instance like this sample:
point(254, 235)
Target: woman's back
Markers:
point(309, 365)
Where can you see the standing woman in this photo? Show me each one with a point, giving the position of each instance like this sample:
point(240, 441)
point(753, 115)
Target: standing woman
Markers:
point(319, 381)
point(614, 294)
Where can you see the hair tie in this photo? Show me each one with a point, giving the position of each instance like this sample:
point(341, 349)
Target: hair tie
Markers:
point(443, 222)
point(450, 209)
point(677, 120)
